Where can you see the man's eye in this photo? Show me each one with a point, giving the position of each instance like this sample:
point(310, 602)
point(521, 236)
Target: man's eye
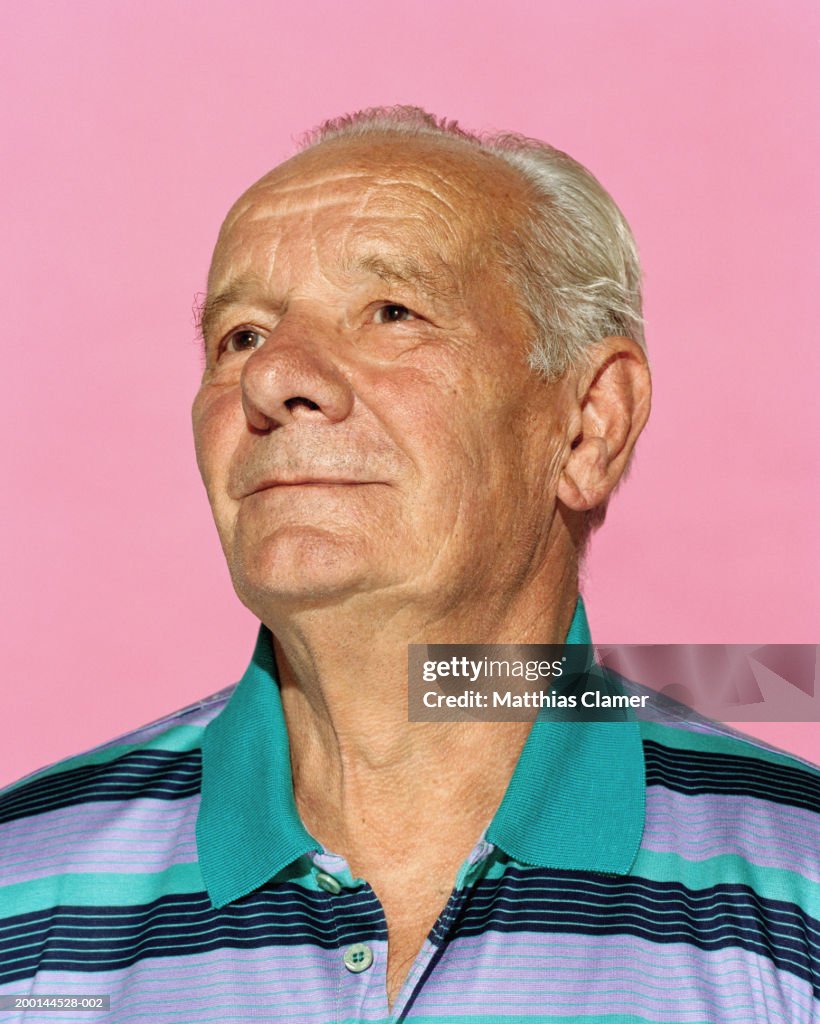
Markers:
point(243, 340)
point(393, 313)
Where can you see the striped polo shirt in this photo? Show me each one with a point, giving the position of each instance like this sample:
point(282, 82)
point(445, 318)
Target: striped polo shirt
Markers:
point(634, 872)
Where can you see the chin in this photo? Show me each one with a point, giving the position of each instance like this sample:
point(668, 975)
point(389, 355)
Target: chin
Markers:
point(300, 566)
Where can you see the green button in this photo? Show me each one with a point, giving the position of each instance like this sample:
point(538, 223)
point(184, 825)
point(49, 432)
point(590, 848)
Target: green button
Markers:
point(328, 882)
point(358, 958)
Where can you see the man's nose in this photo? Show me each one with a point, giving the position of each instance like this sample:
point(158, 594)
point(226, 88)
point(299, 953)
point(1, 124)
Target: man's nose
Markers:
point(291, 377)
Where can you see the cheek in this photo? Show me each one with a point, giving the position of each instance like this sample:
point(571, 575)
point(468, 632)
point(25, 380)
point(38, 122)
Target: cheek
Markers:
point(218, 423)
point(409, 414)
point(541, 452)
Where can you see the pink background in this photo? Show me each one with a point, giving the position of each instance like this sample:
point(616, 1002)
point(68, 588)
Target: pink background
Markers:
point(128, 129)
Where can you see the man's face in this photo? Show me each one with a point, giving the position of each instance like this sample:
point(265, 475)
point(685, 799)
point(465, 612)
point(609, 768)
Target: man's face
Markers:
point(367, 422)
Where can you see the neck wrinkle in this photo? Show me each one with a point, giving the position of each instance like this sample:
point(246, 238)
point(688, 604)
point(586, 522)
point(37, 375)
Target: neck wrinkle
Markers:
point(356, 757)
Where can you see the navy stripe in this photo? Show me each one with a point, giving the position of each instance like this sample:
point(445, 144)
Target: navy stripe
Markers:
point(524, 900)
point(721, 916)
point(75, 938)
point(697, 771)
point(158, 774)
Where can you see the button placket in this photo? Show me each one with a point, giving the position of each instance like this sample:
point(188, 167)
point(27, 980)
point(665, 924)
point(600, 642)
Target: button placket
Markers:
point(360, 990)
point(362, 959)
point(432, 952)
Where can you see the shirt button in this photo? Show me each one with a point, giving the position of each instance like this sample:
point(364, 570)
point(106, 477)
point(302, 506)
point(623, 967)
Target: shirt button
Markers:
point(358, 958)
point(328, 882)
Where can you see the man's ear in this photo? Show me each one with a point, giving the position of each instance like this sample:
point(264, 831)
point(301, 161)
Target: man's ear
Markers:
point(613, 397)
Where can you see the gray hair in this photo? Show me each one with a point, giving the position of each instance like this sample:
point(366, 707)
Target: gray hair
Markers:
point(574, 261)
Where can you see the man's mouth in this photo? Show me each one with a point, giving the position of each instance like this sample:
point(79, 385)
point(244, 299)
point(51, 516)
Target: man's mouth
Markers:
point(308, 481)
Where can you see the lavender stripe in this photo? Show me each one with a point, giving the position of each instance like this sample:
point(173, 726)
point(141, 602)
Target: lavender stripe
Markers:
point(768, 835)
point(492, 974)
point(24, 855)
point(599, 975)
point(785, 812)
point(302, 985)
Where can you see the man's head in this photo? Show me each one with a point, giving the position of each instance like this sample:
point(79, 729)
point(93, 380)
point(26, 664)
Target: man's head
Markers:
point(424, 367)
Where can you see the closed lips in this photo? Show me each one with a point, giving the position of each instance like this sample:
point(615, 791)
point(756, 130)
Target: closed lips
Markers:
point(310, 482)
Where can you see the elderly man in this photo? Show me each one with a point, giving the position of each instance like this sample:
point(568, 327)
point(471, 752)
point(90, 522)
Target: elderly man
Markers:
point(424, 378)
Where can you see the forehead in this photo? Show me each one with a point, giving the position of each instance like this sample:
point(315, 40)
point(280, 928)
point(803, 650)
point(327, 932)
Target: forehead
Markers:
point(438, 198)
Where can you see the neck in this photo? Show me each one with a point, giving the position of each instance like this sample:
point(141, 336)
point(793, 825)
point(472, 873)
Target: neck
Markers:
point(357, 760)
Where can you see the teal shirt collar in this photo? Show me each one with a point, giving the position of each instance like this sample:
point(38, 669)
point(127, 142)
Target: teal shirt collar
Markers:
point(575, 799)
point(248, 828)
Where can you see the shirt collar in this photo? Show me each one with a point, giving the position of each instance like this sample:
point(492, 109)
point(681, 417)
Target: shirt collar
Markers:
point(575, 800)
point(248, 828)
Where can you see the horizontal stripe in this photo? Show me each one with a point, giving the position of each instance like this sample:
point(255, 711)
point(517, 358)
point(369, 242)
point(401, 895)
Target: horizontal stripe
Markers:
point(717, 738)
point(159, 774)
point(157, 736)
point(297, 985)
point(91, 890)
point(523, 901)
point(769, 883)
point(140, 835)
point(697, 771)
point(102, 938)
point(535, 900)
point(506, 973)
point(710, 825)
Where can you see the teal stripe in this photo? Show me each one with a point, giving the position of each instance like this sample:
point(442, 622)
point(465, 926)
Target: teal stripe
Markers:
point(92, 889)
point(179, 739)
point(730, 869)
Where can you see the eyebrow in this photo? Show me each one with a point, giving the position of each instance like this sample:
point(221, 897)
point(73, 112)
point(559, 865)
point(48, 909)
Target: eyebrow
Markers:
point(208, 313)
point(436, 283)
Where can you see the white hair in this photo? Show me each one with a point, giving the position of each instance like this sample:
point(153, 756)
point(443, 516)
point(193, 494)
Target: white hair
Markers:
point(574, 260)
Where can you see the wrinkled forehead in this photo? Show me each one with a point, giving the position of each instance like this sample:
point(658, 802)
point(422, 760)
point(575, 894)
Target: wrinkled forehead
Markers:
point(442, 191)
